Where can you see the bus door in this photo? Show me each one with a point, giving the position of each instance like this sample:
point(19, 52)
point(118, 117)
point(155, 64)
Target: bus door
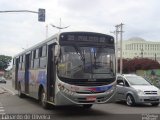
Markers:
point(16, 73)
point(51, 73)
point(27, 62)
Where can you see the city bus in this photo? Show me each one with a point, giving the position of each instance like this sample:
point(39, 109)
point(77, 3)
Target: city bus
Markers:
point(69, 68)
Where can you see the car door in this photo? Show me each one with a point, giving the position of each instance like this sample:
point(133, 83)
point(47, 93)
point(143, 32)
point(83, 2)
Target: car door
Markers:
point(125, 90)
point(120, 88)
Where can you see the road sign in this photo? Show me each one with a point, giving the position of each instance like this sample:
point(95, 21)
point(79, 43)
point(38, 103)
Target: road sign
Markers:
point(41, 15)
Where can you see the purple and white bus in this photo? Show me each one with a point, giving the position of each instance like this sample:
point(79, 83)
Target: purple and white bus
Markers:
point(69, 68)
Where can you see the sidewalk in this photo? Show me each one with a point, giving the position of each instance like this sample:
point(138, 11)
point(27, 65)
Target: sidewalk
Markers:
point(2, 90)
point(7, 88)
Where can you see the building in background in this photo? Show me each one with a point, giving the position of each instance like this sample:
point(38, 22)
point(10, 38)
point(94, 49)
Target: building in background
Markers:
point(138, 47)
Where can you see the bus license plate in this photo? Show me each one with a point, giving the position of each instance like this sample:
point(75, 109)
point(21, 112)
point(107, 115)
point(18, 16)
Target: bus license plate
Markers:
point(91, 98)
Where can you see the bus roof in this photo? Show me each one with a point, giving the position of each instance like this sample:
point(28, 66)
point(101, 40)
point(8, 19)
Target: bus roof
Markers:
point(38, 44)
point(53, 37)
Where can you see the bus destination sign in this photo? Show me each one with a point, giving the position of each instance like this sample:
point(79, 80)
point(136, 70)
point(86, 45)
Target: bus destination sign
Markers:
point(87, 38)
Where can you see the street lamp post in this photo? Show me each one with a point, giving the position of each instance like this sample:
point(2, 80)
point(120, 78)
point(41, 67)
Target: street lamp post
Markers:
point(59, 27)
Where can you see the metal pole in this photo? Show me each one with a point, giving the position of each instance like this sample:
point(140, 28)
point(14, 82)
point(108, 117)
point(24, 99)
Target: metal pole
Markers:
point(7, 11)
point(121, 64)
point(116, 32)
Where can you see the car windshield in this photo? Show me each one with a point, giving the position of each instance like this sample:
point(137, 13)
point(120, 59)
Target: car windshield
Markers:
point(86, 62)
point(137, 80)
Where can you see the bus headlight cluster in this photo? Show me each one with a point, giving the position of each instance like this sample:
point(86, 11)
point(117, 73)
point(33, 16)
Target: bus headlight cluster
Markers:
point(63, 89)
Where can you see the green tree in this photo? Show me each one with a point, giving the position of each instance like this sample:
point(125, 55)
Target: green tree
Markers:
point(4, 62)
point(131, 65)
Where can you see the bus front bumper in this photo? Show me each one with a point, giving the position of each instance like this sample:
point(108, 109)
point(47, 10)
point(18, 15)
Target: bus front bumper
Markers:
point(72, 99)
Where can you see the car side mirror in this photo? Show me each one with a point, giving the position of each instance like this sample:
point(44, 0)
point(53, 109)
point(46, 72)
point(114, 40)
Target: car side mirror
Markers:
point(121, 83)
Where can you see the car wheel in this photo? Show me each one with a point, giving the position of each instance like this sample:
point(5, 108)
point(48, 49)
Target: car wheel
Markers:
point(155, 104)
point(130, 100)
point(88, 106)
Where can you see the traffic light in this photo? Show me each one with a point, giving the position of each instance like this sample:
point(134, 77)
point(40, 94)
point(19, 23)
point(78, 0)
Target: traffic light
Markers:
point(41, 15)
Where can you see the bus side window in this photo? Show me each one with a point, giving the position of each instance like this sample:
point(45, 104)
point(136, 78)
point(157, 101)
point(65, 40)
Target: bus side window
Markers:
point(32, 60)
point(23, 61)
point(43, 60)
point(40, 52)
point(36, 59)
point(44, 51)
point(20, 65)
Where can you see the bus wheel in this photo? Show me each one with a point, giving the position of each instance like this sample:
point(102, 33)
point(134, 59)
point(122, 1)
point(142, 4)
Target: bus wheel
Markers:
point(87, 106)
point(20, 94)
point(43, 99)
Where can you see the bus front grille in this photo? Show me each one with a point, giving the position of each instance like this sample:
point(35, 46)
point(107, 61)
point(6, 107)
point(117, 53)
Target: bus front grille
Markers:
point(87, 82)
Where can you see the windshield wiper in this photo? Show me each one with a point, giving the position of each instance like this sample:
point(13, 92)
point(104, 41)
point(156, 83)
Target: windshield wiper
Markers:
point(81, 54)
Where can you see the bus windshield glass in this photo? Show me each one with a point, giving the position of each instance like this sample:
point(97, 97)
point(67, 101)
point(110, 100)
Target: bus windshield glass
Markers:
point(86, 62)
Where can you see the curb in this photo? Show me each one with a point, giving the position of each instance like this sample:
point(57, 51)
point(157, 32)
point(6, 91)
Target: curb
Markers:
point(5, 90)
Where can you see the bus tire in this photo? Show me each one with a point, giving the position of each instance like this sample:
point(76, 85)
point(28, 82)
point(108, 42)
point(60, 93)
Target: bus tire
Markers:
point(43, 99)
point(87, 106)
point(20, 94)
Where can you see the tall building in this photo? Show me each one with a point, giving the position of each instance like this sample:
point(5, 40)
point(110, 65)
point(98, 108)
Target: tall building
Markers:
point(138, 47)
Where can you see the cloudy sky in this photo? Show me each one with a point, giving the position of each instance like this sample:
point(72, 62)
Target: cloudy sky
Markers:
point(19, 31)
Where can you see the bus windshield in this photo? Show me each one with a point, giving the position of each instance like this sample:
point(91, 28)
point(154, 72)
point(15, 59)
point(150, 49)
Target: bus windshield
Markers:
point(86, 62)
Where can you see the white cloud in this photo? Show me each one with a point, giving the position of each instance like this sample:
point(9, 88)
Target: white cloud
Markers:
point(20, 30)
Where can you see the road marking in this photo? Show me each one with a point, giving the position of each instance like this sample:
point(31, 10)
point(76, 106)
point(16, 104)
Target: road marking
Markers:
point(2, 111)
point(9, 90)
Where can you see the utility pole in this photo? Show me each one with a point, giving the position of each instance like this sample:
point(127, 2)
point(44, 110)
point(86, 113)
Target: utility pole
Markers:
point(116, 32)
point(116, 46)
point(119, 29)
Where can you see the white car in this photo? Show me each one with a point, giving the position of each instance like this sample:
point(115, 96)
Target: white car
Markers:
point(2, 79)
point(135, 89)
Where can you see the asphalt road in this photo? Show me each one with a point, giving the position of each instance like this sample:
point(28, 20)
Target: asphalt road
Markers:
point(11, 104)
